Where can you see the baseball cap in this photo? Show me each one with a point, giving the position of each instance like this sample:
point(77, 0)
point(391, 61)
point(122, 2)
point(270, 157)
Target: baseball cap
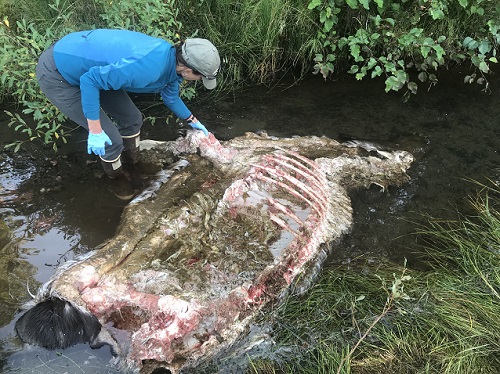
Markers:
point(202, 56)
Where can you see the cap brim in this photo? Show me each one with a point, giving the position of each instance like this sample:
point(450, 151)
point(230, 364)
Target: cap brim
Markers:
point(209, 83)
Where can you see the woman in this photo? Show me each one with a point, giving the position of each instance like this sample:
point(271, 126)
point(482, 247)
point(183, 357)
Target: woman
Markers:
point(87, 75)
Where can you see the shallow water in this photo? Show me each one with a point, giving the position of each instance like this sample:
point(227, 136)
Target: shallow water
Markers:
point(54, 206)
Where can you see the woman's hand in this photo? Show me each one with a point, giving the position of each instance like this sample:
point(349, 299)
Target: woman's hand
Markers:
point(199, 126)
point(97, 143)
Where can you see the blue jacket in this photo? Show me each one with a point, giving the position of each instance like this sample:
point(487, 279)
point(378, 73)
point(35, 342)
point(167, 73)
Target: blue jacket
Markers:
point(119, 59)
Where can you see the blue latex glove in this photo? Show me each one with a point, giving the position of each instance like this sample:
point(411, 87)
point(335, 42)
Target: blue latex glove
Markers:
point(97, 142)
point(198, 126)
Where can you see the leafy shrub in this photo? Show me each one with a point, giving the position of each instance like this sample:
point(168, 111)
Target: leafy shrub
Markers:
point(390, 37)
point(22, 43)
point(403, 41)
point(158, 18)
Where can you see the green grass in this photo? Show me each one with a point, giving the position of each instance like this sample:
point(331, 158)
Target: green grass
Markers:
point(260, 40)
point(441, 320)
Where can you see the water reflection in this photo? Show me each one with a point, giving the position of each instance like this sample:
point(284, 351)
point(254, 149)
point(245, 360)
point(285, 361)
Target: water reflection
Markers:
point(16, 273)
point(77, 359)
point(32, 245)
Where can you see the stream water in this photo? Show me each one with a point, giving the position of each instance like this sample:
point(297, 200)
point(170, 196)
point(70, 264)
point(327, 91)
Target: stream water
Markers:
point(55, 206)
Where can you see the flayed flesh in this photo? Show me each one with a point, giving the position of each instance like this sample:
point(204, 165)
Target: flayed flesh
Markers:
point(225, 235)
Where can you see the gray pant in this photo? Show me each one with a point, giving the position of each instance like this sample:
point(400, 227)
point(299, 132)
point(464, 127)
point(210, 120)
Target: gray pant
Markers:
point(67, 98)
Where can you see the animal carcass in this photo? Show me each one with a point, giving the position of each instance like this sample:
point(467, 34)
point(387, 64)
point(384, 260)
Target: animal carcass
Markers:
point(226, 230)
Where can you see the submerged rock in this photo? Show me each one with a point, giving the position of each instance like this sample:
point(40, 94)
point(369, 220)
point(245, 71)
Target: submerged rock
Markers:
point(221, 233)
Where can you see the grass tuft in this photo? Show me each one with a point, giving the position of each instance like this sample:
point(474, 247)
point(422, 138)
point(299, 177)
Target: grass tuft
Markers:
point(380, 317)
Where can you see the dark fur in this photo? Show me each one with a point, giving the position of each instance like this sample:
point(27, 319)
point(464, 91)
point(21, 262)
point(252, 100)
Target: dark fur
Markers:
point(57, 324)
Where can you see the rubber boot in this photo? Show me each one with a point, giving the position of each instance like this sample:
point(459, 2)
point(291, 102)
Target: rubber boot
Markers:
point(131, 151)
point(113, 169)
point(120, 184)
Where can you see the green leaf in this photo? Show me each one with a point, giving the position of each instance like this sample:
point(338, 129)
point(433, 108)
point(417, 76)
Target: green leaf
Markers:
point(470, 43)
point(328, 24)
point(318, 57)
point(353, 69)
point(391, 83)
point(48, 137)
point(484, 47)
point(314, 4)
point(483, 66)
point(371, 63)
point(416, 31)
point(377, 72)
point(437, 14)
point(389, 66)
point(355, 51)
point(365, 3)
point(412, 86)
point(463, 3)
point(439, 51)
point(323, 16)
point(360, 76)
point(401, 76)
point(424, 50)
point(429, 41)
point(330, 57)
point(478, 10)
point(328, 12)
point(352, 3)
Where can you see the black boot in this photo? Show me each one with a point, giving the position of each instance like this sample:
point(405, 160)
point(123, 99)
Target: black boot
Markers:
point(112, 169)
point(131, 151)
point(120, 183)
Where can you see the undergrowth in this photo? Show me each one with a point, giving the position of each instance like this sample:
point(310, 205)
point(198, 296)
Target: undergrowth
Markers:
point(380, 317)
point(261, 41)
